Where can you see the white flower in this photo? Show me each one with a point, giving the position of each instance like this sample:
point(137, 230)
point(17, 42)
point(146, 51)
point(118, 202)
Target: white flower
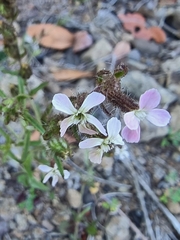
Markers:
point(52, 172)
point(79, 117)
point(106, 144)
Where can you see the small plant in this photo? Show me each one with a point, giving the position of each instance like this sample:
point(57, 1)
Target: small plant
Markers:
point(173, 138)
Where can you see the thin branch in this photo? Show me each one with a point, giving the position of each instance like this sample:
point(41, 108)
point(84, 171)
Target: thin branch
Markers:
point(149, 229)
point(175, 223)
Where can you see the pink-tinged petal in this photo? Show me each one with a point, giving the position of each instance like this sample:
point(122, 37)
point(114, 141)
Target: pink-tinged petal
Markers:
point(150, 99)
point(46, 178)
point(113, 127)
point(91, 142)
point(94, 121)
point(159, 117)
point(65, 124)
point(44, 168)
point(95, 155)
point(131, 136)
point(83, 129)
point(55, 180)
point(62, 103)
point(91, 101)
point(131, 121)
point(66, 174)
point(117, 140)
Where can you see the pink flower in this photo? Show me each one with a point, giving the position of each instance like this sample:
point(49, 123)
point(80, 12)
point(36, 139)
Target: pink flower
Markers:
point(147, 104)
point(79, 117)
point(106, 144)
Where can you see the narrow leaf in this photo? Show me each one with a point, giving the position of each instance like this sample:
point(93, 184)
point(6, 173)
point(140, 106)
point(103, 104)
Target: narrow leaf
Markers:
point(33, 122)
point(35, 90)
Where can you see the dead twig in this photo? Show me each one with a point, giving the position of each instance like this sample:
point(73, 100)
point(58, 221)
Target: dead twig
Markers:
point(149, 229)
point(166, 212)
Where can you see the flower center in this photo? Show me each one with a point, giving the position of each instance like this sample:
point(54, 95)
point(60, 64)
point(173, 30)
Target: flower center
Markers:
point(140, 114)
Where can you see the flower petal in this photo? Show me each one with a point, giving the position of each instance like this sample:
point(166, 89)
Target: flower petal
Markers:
point(44, 168)
point(131, 121)
point(83, 129)
point(117, 140)
point(46, 178)
point(91, 119)
point(91, 101)
point(150, 99)
point(62, 103)
point(55, 180)
point(66, 174)
point(95, 155)
point(131, 136)
point(113, 127)
point(159, 117)
point(91, 142)
point(65, 124)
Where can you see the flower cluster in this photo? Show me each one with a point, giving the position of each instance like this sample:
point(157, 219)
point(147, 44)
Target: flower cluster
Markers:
point(110, 138)
point(105, 139)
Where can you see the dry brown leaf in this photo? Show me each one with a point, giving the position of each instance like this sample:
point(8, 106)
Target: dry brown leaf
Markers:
point(35, 136)
point(121, 49)
point(157, 34)
point(143, 33)
point(71, 74)
point(132, 21)
point(82, 40)
point(51, 36)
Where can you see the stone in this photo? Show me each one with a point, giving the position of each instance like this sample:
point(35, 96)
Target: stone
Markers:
point(31, 220)
point(174, 207)
point(47, 225)
point(38, 233)
point(4, 228)
point(8, 208)
point(74, 198)
point(97, 51)
point(146, 47)
point(175, 116)
point(159, 173)
point(137, 83)
point(118, 228)
point(21, 221)
point(2, 185)
point(150, 131)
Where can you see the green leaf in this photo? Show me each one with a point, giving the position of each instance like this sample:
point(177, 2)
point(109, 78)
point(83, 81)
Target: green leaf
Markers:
point(23, 179)
point(81, 214)
point(2, 55)
point(27, 163)
point(60, 166)
point(33, 122)
point(26, 145)
point(13, 73)
point(37, 185)
point(92, 229)
point(2, 94)
point(21, 85)
point(35, 90)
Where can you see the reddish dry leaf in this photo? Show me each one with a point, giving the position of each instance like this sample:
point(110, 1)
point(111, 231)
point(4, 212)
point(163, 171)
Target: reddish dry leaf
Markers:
point(121, 49)
point(82, 41)
point(132, 21)
point(35, 136)
point(143, 33)
point(71, 74)
point(51, 36)
point(157, 34)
